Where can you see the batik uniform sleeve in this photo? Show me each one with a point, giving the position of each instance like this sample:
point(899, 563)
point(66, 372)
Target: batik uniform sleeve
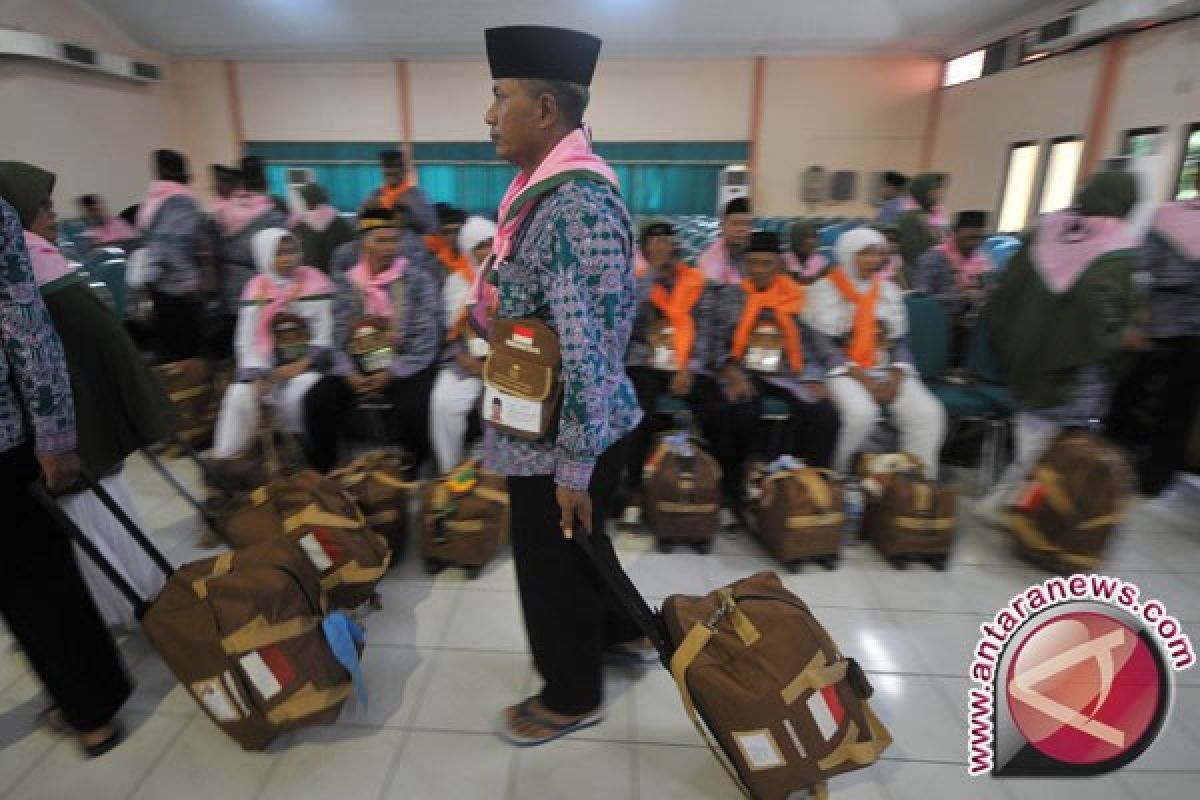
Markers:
point(423, 331)
point(704, 315)
point(1166, 269)
point(347, 307)
point(728, 300)
point(820, 353)
point(584, 279)
point(934, 278)
point(173, 244)
point(36, 363)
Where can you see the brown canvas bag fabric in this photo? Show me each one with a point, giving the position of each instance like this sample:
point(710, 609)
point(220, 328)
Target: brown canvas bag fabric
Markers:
point(1064, 516)
point(682, 494)
point(464, 528)
point(242, 633)
point(915, 517)
point(190, 386)
point(759, 674)
point(799, 514)
point(381, 483)
point(315, 511)
point(523, 370)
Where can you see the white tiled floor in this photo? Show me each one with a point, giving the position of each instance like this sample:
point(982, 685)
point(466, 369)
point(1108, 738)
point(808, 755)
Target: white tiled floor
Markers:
point(446, 655)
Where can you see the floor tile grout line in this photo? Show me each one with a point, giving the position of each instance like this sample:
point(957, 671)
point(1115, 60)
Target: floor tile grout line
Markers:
point(394, 765)
point(37, 762)
point(159, 758)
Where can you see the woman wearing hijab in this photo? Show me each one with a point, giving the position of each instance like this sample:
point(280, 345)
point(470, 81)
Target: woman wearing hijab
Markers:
point(264, 362)
point(864, 313)
point(922, 225)
point(122, 405)
point(320, 230)
point(459, 383)
point(802, 260)
point(1061, 317)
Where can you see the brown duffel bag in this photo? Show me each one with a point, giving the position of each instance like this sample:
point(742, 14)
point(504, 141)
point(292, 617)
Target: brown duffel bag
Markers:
point(464, 519)
point(1065, 514)
point(799, 516)
point(243, 633)
point(381, 483)
point(913, 520)
point(317, 512)
point(190, 386)
point(759, 674)
point(682, 493)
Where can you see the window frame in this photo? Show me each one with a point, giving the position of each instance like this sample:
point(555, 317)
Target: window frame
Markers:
point(1188, 132)
point(1127, 135)
point(1044, 168)
point(1008, 164)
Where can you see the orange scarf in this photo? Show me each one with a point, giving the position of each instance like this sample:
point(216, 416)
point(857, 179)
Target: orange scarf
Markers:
point(786, 298)
point(389, 195)
point(864, 342)
point(454, 264)
point(677, 307)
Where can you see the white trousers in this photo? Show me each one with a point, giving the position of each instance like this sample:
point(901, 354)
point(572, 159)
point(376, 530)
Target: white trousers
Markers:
point(1032, 437)
point(917, 414)
point(110, 538)
point(239, 413)
point(454, 397)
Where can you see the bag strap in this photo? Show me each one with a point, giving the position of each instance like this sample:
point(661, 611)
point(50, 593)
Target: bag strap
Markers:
point(648, 620)
point(850, 749)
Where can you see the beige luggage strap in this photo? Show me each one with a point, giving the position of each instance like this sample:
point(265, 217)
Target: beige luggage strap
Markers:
point(801, 521)
point(1033, 539)
point(923, 524)
point(260, 633)
point(817, 675)
point(188, 394)
point(1102, 521)
point(463, 525)
point(861, 753)
point(313, 515)
point(353, 572)
point(669, 507)
point(221, 566)
point(308, 700)
point(1055, 494)
point(491, 495)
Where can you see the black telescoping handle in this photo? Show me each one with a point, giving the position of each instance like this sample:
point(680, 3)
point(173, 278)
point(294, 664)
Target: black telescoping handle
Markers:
point(134, 530)
point(628, 595)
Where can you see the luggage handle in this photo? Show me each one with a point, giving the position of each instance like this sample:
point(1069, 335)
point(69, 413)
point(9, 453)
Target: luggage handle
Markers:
point(139, 603)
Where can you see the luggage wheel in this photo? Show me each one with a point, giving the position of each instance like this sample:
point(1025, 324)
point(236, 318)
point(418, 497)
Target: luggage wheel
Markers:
point(664, 545)
point(473, 572)
point(830, 563)
point(938, 563)
point(795, 567)
point(898, 562)
point(375, 603)
point(703, 547)
point(433, 566)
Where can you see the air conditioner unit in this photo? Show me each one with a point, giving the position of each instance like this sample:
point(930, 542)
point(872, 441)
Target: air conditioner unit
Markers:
point(22, 44)
point(733, 183)
point(1103, 18)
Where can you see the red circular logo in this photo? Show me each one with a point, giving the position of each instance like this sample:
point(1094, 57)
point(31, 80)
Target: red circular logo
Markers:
point(1085, 688)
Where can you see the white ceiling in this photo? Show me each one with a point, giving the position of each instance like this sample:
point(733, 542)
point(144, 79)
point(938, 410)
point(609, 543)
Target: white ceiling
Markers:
point(307, 29)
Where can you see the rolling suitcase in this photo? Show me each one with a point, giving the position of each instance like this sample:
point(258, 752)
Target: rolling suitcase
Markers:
point(247, 634)
point(778, 704)
point(682, 494)
point(464, 519)
point(914, 520)
point(798, 515)
point(381, 483)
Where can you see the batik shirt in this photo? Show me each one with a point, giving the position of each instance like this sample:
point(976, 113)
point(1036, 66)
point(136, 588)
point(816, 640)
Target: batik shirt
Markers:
point(35, 390)
point(703, 315)
point(572, 268)
point(420, 334)
point(174, 245)
point(1172, 281)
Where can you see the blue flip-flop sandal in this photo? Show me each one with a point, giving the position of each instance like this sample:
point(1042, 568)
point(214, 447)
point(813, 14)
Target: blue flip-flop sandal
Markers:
point(525, 713)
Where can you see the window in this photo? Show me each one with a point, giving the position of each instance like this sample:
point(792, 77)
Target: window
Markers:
point(1190, 170)
point(1062, 170)
point(1018, 186)
point(964, 68)
point(1141, 142)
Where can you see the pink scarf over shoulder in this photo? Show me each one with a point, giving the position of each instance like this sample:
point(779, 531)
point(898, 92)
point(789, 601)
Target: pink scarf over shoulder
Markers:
point(1066, 244)
point(572, 154)
point(305, 282)
point(813, 266)
point(115, 230)
point(1179, 224)
point(319, 218)
point(242, 208)
point(966, 269)
point(377, 300)
point(48, 264)
point(158, 193)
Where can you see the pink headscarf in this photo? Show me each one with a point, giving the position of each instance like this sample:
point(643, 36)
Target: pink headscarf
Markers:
point(966, 269)
point(573, 153)
point(242, 208)
point(1179, 224)
point(115, 230)
point(48, 264)
point(717, 265)
point(319, 218)
point(158, 193)
point(1067, 243)
point(812, 267)
point(377, 301)
point(276, 290)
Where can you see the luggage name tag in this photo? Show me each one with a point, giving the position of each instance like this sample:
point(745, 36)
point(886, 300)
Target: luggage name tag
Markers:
point(765, 351)
point(522, 380)
point(662, 344)
point(371, 345)
point(290, 334)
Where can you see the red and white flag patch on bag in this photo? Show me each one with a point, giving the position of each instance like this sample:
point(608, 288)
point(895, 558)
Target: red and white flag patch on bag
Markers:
point(1031, 497)
point(321, 548)
point(827, 711)
point(269, 670)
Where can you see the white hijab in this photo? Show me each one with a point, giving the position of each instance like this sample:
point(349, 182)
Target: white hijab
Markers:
point(832, 314)
point(474, 231)
point(265, 246)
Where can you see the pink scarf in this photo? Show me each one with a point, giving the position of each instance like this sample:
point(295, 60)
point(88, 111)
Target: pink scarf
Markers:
point(305, 282)
point(241, 209)
point(319, 218)
point(813, 266)
point(1179, 224)
point(377, 301)
point(158, 193)
point(1061, 253)
point(717, 265)
point(572, 154)
point(115, 230)
point(891, 267)
point(48, 264)
point(936, 218)
point(966, 270)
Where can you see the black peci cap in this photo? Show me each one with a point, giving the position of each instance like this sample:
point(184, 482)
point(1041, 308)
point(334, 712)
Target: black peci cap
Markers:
point(542, 53)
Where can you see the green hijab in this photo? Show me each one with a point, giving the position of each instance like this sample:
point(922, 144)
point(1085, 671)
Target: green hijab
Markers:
point(25, 187)
point(801, 230)
point(314, 195)
point(1108, 194)
point(922, 188)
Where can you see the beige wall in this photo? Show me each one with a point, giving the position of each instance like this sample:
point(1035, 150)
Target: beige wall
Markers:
point(95, 132)
point(862, 114)
point(1159, 85)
